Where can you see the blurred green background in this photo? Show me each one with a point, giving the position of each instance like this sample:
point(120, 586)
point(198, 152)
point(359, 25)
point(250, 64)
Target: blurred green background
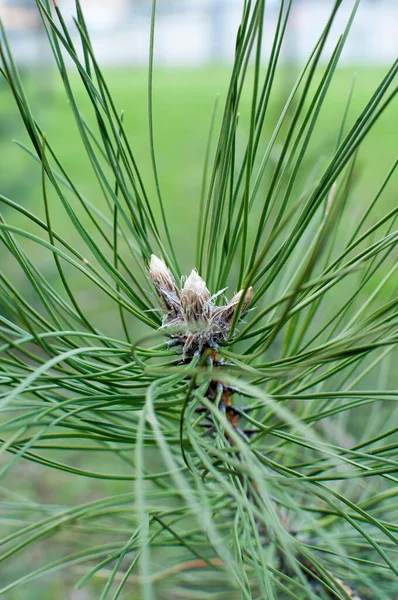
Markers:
point(183, 104)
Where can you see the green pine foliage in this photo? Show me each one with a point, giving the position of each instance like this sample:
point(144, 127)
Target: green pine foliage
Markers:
point(300, 499)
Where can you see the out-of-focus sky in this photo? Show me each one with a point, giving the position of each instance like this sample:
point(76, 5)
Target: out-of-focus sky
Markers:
point(196, 32)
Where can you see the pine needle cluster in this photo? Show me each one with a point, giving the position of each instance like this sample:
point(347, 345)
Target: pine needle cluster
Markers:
point(247, 447)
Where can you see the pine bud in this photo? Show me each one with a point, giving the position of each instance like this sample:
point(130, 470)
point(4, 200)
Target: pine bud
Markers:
point(193, 320)
point(160, 275)
point(165, 286)
point(226, 313)
point(246, 301)
point(195, 298)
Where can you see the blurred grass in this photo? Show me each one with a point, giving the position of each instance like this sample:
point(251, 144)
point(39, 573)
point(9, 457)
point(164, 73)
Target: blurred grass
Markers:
point(184, 102)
